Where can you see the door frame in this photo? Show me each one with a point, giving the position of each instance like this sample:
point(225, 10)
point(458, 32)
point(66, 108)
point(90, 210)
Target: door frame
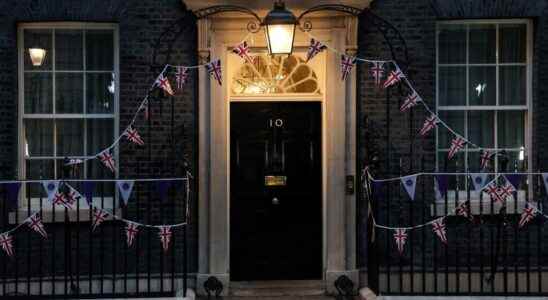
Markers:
point(216, 37)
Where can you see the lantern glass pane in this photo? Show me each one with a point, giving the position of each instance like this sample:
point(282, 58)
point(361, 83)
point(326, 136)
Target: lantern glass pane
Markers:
point(280, 38)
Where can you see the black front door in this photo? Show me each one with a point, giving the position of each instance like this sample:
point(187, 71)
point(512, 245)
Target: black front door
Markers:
point(275, 191)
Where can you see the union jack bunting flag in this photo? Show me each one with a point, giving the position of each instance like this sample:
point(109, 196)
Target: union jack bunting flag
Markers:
point(133, 136)
point(59, 199)
point(214, 69)
point(181, 76)
point(456, 145)
point(7, 244)
point(131, 232)
point(429, 124)
point(165, 236)
point(347, 63)
point(463, 210)
point(35, 223)
point(377, 71)
point(506, 191)
point(494, 192)
point(439, 229)
point(393, 78)
point(410, 101)
point(314, 48)
point(242, 50)
point(107, 160)
point(485, 158)
point(71, 197)
point(99, 216)
point(400, 236)
point(527, 215)
point(163, 83)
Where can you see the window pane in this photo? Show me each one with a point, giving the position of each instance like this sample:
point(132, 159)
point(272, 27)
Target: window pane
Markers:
point(453, 165)
point(483, 39)
point(455, 120)
point(38, 137)
point(516, 161)
point(100, 135)
point(481, 128)
point(452, 44)
point(513, 43)
point(452, 86)
point(474, 161)
point(511, 129)
point(96, 170)
point(100, 93)
point(482, 87)
point(512, 85)
point(38, 93)
point(39, 169)
point(70, 138)
point(69, 93)
point(37, 38)
point(100, 50)
point(69, 50)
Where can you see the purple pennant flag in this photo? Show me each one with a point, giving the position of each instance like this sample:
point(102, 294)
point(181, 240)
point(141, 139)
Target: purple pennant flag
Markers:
point(13, 191)
point(87, 188)
point(161, 188)
point(377, 188)
point(441, 181)
point(514, 179)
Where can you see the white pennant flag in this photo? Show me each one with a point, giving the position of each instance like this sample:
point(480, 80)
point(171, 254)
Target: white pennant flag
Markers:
point(409, 183)
point(545, 180)
point(478, 180)
point(51, 187)
point(125, 187)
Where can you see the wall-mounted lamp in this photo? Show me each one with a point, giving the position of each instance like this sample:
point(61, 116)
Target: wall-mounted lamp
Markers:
point(279, 25)
point(37, 56)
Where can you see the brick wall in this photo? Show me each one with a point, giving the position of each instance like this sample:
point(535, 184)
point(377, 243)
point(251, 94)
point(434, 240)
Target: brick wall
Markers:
point(391, 136)
point(152, 33)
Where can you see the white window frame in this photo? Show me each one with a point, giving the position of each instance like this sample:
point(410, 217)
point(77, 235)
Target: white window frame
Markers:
point(22, 158)
point(440, 206)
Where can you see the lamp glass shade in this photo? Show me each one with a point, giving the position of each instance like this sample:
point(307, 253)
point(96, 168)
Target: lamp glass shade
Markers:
point(37, 56)
point(279, 25)
point(280, 38)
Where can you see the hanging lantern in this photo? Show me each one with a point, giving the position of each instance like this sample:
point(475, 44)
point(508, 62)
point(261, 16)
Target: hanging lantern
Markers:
point(280, 29)
point(37, 56)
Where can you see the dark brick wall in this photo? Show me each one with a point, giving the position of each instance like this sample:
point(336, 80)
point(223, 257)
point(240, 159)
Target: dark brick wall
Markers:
point(146, 42)
point(390, 136)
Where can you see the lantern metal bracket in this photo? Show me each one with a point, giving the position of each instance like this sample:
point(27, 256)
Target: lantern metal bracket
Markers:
point(390, 33)
point(253, 26)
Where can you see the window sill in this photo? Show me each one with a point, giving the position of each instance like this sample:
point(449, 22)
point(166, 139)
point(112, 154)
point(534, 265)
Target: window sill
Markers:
point(57, 214)
point(477, 205)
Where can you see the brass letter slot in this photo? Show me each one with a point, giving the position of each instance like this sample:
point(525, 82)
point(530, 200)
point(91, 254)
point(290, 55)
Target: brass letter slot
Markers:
point(275, 180)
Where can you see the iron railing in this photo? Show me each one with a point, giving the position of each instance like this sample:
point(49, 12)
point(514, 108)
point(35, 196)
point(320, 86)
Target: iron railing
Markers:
point(76, 261)
point(490, 256)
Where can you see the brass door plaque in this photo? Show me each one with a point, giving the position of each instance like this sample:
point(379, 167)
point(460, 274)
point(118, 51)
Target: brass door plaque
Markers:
point(275, 180)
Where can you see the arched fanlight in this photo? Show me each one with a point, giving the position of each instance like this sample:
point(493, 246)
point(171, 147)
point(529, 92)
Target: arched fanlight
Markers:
point(279, 25)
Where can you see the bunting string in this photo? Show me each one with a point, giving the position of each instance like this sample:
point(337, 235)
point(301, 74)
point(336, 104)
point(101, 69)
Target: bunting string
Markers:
point(70, 196)
point(378, 70)
point(455, 211)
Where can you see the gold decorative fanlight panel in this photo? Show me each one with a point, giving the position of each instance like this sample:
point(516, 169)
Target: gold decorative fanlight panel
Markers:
point(274, 75)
